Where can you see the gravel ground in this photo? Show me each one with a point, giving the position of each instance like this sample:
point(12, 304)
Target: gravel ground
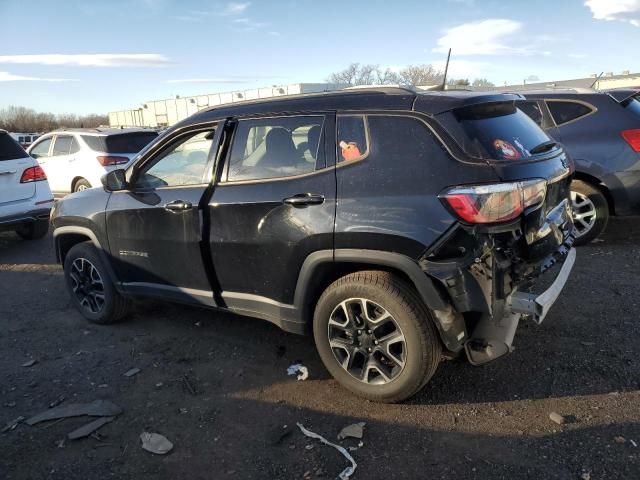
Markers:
point(227, 419)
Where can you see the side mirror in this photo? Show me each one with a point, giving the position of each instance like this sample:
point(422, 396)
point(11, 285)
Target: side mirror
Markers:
point(115, 180)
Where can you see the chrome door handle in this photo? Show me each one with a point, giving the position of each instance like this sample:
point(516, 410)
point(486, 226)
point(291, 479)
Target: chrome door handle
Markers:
point(304, 199)
point(178, 206)
point(8, 172)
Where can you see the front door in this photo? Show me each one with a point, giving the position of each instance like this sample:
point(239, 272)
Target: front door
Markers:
point(273, 205)
point(155, 227)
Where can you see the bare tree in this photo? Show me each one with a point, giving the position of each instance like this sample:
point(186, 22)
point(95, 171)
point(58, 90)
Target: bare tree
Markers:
point(22, 119)
point(412, 75)
point(460, 82)
point(424, 74)
point(482, 82)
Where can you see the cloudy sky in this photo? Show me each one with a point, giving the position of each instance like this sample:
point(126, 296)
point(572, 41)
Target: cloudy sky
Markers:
point(96, 56)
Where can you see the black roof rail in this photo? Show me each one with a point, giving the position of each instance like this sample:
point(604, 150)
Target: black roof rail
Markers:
point(383, 88)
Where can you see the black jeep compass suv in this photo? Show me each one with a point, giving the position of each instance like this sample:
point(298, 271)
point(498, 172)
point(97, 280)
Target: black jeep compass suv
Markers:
point(393, 225)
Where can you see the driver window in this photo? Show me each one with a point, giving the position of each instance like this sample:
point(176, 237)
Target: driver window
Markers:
point(181, 164)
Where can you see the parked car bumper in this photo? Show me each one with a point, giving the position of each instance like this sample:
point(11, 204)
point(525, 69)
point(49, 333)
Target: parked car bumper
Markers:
point(9, 222)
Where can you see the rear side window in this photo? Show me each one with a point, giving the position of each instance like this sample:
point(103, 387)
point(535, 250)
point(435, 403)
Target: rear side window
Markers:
point(121, 143)
point(62, 145)
point(276, 147)
point(633, 104)
point(74, 148)
point(532, 110)
point(497, 131)
point(10, 149)
point(353, 137)
point(564, 112)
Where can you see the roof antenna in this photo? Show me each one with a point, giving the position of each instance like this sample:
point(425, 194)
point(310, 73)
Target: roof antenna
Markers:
point(446, 69)
point(596, 80)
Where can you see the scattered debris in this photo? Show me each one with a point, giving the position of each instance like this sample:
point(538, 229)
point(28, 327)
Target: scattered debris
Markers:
point(184, 411)
point(12, 424)
point(89, 428)
point(97, 408)
point(352, 431)
point(57, 401)
point(132, 372)
point(635, 445)
point(309, 447)
point(60, 443)
point(10, 404)
point(198, 324)
point(619, 439)
point(588, 344)
point(278, 434)
point(188, 385)
point(585, 476)
point(557, 418)
point(159, 385)
point(155, 443)
point(300, 370)
point(30, 363)
point(347, 472)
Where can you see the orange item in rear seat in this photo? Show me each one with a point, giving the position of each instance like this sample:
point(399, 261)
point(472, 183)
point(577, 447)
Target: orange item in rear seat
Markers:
point(350, 151)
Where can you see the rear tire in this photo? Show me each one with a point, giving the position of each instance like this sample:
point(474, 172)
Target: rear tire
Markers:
point(33, 230)
point(390, 370)
point(590, 211)
point(90, 286)
point(80, 185)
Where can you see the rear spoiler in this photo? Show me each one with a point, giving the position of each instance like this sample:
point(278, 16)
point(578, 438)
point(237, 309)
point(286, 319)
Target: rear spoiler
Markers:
point(621, 95)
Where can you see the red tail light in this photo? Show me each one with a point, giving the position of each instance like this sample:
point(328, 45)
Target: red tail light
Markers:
point(495, 203)
point(633, 138)
point(109, 160)
point(33, 174)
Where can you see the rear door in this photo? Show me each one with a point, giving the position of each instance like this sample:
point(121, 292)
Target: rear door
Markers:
point(13, 162)
point(56, 165)
point(155, 227)
point(273, 206)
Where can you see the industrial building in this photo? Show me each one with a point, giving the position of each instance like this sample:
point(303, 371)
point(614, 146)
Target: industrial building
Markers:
point(163, 113)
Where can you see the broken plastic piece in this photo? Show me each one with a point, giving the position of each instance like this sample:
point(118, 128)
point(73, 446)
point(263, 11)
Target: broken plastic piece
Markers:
point(30, 363)
point(97, 408)
point(354, 431)
point(89, 428)
point(132, 372)
point(12, 424)
point(155, 443)
point(298, 368)
point(347, 472)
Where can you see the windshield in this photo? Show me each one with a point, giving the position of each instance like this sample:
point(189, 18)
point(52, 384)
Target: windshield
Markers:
point(10, 149)
point(120, 143)
point(496, 131)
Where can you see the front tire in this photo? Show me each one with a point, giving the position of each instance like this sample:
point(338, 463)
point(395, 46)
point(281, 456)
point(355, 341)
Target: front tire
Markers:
point(590, 211)
point(90, 286)
point(376, 337)
point(33, 230)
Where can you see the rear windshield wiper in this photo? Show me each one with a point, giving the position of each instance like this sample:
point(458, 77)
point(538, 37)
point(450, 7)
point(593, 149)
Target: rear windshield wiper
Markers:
point(543, 147)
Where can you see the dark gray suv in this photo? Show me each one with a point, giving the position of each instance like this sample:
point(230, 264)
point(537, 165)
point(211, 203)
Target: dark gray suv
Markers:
point(601, 131)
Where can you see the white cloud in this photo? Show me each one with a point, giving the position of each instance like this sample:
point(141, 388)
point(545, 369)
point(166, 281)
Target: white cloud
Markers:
point(235, 8)
point(9, 77)
point(273, 33)
point(485, 37)
point(209, 80)
point(577, 55)
point(622, 10)
point(91, 60)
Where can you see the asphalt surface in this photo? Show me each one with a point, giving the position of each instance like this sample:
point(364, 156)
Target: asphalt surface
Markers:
point(216, 386)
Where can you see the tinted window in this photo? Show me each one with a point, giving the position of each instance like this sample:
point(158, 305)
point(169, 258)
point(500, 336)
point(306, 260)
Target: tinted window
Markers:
point(9, 148)
point(532, 109)
point(494, 131)
point(353, 142)
point(121, 143)
point(634, 105)
point(41, 149)
point(181, 164)
point(276, 147)
point(563, 112)
point(74, 148)
point(62, 145)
